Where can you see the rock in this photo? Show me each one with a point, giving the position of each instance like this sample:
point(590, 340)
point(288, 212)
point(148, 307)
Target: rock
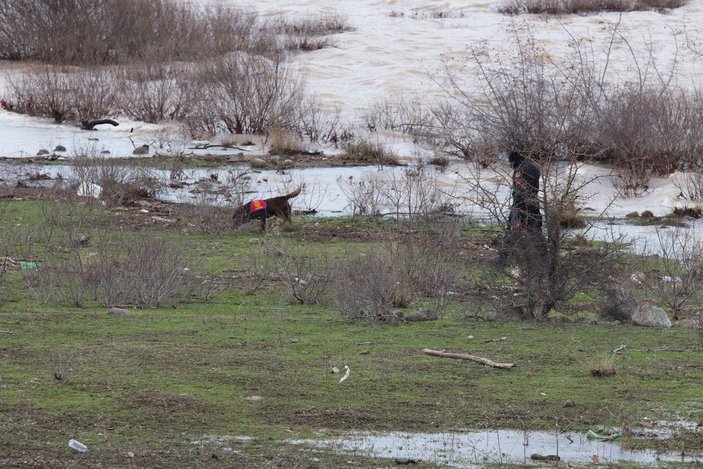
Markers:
point(143, 150)
point(646, 314)
point(508, 313)
point(119, 312)
point(421, 315)
point(60, 148)
point(257, 163)
point(632, 215)
point(647, 214)
point(690, 323)
point(569, 403)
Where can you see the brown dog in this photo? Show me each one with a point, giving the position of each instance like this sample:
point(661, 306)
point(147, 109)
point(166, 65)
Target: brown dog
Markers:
point(262, 209)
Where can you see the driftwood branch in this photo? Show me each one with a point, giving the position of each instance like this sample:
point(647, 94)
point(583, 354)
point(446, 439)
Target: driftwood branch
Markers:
point(90, 124)
point(473, 358)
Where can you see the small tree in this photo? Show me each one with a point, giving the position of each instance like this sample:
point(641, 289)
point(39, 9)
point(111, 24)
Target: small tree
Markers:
point(675, 268)
point(543, 111)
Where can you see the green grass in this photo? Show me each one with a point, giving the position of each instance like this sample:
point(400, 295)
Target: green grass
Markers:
point(157, 382)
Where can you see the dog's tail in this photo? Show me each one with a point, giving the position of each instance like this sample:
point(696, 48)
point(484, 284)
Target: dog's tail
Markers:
point(294, 193)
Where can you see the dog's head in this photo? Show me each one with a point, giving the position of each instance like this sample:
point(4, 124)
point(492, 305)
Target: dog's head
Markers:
point(241, 213)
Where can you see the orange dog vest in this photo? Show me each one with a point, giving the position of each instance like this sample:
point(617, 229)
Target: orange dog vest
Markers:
point(257, 205)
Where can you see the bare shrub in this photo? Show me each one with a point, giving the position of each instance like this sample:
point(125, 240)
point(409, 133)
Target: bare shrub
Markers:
point(561, 7)
point(238, 183)
point(309, 33)
point(690, 185)
point(305, 269)
point(45, 93)
point(139, 269)
point(650, 131)
point(209, 210)
point(369, 285)
point(365, 196)
point(117, 183)
point(414, 195)
point(246, 94)
point(319, 126)
point(429, 259)
point(87, 32)
point(675, 266)
point(154, 93)
point(615, 301)
point(398, 115)
point(63, 94)
point(60, 277)
point(312, 196)
point(546, 112)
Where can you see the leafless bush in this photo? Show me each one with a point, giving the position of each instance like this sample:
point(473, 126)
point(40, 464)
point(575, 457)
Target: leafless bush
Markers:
point(60, 277)
point(154, 93)
point(690, 185)
point(398, 115)
point(429, 259)
point(210, 210)
point(369, 285)
point(87, 32)
point(305, 269)
point(244, 93)
point(112, 181)
point(675, 266)
point(414, 195)
point(365, 196)
point(45, 93)
point(650, 131)
point(143, 270)
point(238, 182)
point(562, 7)
point(309, 33)
point(317, 125)
point(555, 116)
point(63, 94)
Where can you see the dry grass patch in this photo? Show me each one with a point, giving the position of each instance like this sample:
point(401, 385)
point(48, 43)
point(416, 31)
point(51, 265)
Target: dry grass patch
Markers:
point(602, 365)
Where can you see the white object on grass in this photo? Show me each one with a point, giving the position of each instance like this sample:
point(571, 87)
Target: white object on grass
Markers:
point(89, 189)
point(346, 373)
point(77, 445)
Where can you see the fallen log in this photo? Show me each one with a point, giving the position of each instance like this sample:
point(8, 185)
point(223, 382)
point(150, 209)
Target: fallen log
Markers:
point(462, 356)
point(90, 124)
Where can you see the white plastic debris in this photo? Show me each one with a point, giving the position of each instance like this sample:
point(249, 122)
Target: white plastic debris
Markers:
point(77, 445)
point(89, 189)
point(346, 374)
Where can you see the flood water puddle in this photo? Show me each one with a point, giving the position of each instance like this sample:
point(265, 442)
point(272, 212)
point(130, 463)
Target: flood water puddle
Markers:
point(482, 448)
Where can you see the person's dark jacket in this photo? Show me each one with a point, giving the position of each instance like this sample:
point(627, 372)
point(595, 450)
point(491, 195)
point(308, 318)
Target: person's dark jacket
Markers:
point(525, 211)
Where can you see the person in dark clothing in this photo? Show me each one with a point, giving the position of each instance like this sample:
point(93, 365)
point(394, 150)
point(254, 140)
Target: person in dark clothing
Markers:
point(524, 230)
point(525, 212)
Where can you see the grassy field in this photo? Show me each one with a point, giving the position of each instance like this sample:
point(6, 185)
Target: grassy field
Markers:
point(164, 386)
